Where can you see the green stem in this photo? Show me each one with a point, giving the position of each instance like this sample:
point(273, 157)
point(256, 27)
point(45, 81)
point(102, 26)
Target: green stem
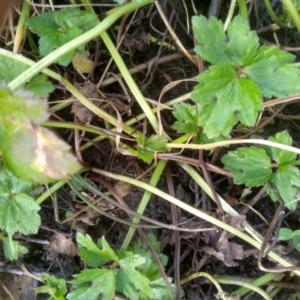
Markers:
point(144, 202)
point(230, 14)
point(209, 277)
point(246, 285)
point(273, 15)
point(243, 9)
point(50, 191)
point(196, 212)
point(130, 82)
point(111, 18)
point(257, 282)
point(290, 7)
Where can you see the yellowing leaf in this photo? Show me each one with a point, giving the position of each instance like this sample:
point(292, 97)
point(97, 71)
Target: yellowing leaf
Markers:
point(29, 151)
point(82, 63)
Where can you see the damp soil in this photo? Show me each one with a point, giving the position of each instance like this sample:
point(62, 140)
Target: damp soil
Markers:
point(197, 250)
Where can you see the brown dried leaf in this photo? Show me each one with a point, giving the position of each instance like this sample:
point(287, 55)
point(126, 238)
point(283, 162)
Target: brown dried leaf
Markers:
point(230, 250)
point(89, 90)
point(83, 114)
point(123, 188)
point(59, 244)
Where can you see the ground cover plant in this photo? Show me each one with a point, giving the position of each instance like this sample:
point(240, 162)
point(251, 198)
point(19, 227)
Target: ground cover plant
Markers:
point(152, 147)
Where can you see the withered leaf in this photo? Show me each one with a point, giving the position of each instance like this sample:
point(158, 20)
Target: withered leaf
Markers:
point(60, 244)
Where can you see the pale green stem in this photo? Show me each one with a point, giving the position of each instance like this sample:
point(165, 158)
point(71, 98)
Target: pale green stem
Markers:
point(290, 7)
point(257, 282)
point(144, 201)
point(196, 212)
point(246, 285)
point(206, 275)
point(130, 82)
point(230, 14)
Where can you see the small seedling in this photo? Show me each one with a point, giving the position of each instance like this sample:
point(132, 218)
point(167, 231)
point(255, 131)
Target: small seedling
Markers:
point(286, 234)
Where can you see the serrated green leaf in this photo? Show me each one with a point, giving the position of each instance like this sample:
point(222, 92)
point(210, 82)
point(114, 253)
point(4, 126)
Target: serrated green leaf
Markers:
point(141, 138)
point(285, 234)
point(10, 68)
point(62, 26)
point(19, 213)
point(187, 117)
point(242, 42)
point(287, 184)
point(94, 255)
point(102, 285)
point(283, 158)
point(160, 290)
point(40, 86)
point(130, 281)
point(225, 99)
point(150, 268)
point(250, 166)
point(146, 155)
point(272, 70)
point(11, 184)
point(296, 242)
point(13, 249)
point(235, 48)
point(155, 143)
point(55, 287)
point(207, 32)
point(43, 23)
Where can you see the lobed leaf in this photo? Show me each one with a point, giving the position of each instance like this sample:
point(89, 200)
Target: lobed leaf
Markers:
point(283, 158)
point(94, 255)
point(224, 99)
point(101, 285)
point(251, 166)
point(19, 213)
point(235, 48)
point(12, 249)
point(272, 70)
point(287, 186)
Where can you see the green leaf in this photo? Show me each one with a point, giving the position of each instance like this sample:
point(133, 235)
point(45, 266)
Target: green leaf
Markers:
point(251, 166)
point(285, 234)
point(207, 32)
point(224, 99)
point(94, 255)
point(10, 68)
point(272, 70)
point(187, 117)
point(102, 285)
point(235, 48)
point(146, 155)
point(150, 268)
point(60, 27)
point(130, 281)
point(40, 86)
point(296, 242)
point(160, 290)
point(13, 249)
point(287, 185)
point(11, 184)
point(155, 143)
point(282, 157)
point(55, 287)
point(19, 213)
